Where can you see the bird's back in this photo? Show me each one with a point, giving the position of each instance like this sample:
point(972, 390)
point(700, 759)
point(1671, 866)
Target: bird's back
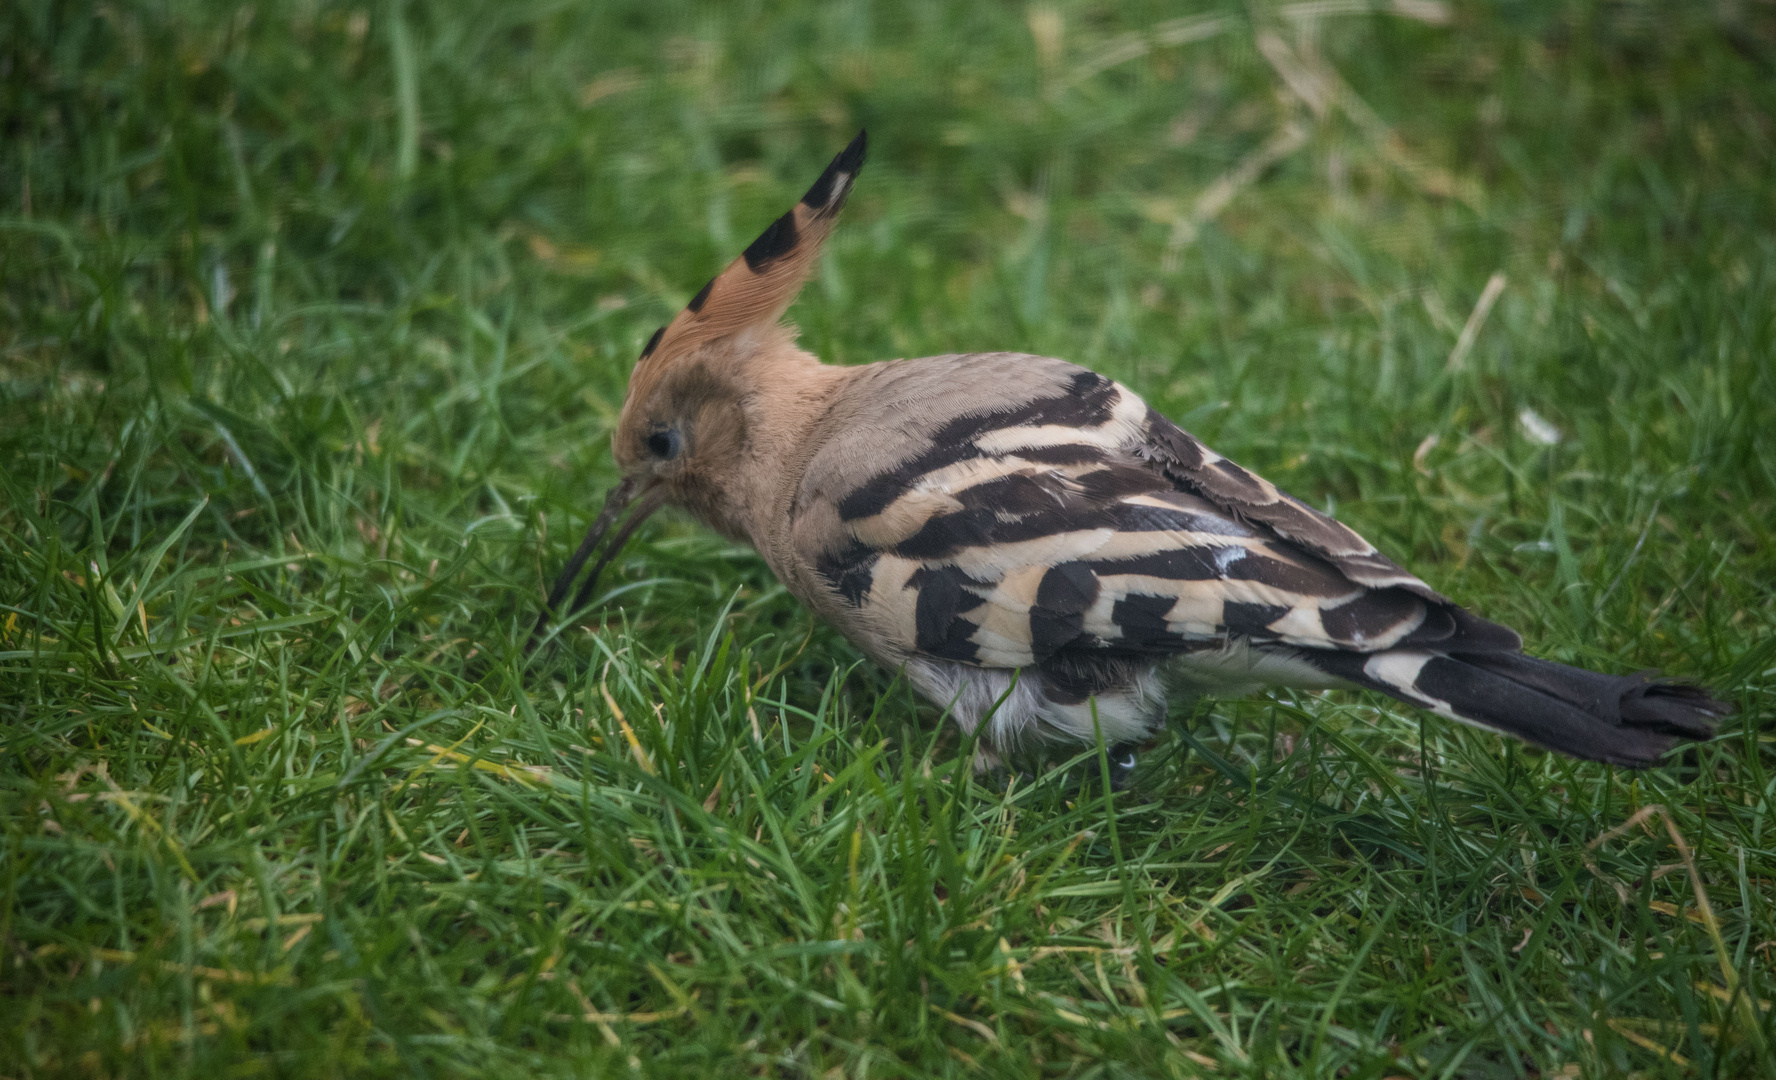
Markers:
point(1003, 509)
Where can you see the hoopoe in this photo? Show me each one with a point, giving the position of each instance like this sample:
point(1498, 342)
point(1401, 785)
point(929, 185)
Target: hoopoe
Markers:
point(1034, 546)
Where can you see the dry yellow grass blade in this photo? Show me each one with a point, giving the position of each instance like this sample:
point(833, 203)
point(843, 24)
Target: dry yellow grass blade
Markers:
point(126, 956)
point(1704, 913)
point(1645, 1043)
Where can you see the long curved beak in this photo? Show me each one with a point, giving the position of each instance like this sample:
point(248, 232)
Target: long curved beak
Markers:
point(615, 502)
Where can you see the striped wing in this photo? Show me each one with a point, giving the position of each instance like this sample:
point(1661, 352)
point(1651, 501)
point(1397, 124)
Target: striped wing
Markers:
point(1053, 527)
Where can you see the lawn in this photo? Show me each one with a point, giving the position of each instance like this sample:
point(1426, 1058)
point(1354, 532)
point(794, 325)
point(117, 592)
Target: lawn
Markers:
point(314, 322)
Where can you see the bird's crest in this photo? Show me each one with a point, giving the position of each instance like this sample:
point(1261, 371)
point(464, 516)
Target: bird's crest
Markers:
point(755, 289)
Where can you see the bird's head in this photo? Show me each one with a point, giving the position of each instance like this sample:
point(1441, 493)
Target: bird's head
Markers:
point(686, 426)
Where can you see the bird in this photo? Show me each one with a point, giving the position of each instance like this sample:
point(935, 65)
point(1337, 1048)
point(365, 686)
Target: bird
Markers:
point(1041, 553)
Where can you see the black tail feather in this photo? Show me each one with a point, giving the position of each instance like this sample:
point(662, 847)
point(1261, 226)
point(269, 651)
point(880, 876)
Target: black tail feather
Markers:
point(1620, 719)
point(1682, 710)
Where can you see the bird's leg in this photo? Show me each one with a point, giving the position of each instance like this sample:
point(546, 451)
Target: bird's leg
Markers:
point(986, 759)
point(1122, 764)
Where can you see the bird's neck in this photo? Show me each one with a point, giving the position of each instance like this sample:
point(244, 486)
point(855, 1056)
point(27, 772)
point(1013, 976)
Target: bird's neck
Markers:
point(782, 391)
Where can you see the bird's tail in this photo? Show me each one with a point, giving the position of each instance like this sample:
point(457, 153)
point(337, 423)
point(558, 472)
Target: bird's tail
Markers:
point(1621, 719)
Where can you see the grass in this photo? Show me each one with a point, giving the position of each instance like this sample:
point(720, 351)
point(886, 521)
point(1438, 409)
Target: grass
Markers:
point(313, 323)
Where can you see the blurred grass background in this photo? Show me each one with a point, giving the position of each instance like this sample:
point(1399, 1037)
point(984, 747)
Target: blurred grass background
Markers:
point(313, 322)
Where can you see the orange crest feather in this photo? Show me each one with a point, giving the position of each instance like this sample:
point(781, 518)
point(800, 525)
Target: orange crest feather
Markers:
point(756, 289)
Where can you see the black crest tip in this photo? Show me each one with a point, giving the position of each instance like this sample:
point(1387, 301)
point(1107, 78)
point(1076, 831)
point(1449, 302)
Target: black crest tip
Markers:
point(778, 239)
point(653, 343)
point(701, 298)
point(827, 195)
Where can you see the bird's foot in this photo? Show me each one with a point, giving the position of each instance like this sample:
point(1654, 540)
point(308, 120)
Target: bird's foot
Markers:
point(1122, 765)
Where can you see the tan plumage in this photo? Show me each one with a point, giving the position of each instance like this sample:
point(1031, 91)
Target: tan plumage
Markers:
point(1010, 526)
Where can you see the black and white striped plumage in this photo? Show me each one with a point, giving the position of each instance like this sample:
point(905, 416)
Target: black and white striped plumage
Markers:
point(1009, 526)
point(1070, 532)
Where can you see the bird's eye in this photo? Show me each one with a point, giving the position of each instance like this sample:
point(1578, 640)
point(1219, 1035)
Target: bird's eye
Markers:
point(665, 444)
